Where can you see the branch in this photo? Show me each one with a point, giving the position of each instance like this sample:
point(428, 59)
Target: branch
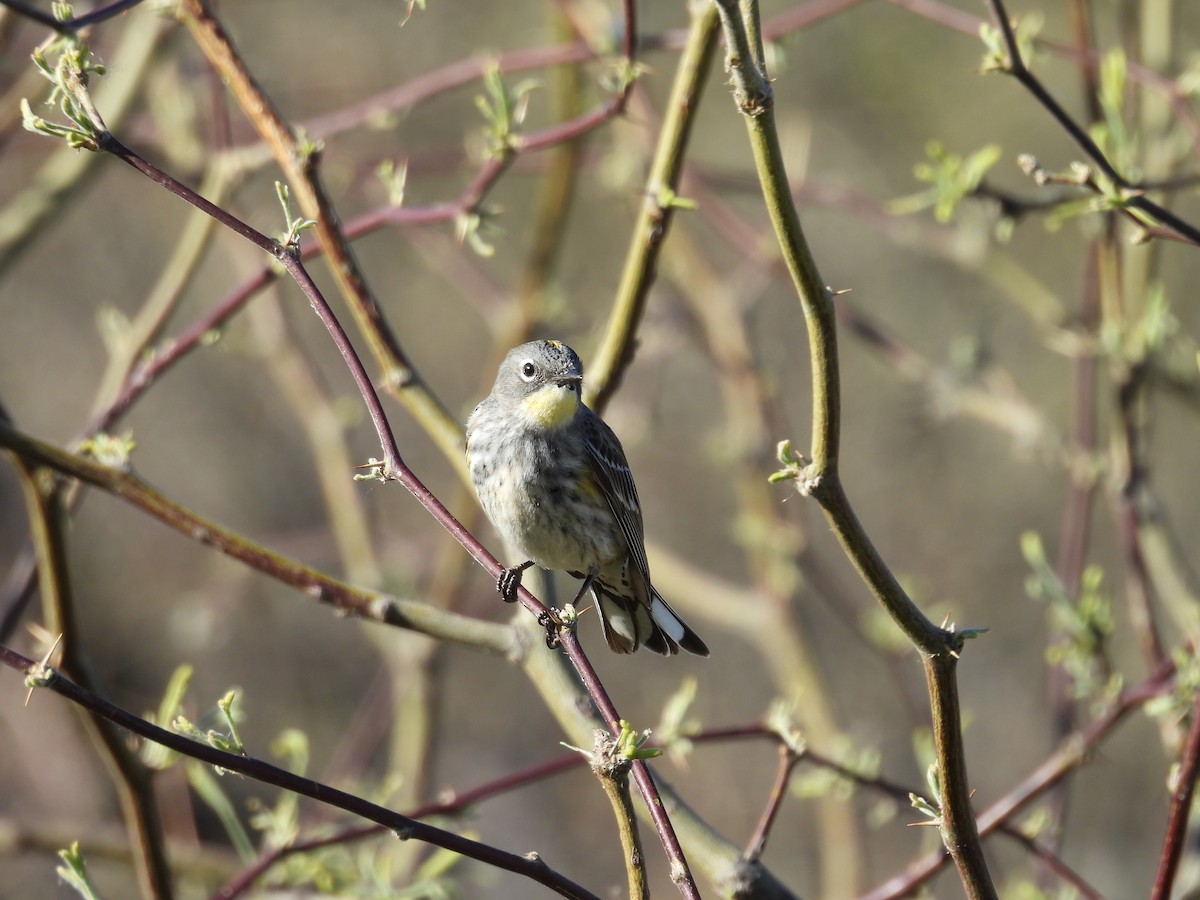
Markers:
point(356, 601)
point(1052, 861)
point(31, 208)
point(903, 793)
point(75, 23)
point(38, 675)
point(659, 202)
point(820, 478)
point(458, 804)
point(1072, 752)
point(298, 159)
point(1130, 194)
point(611, 766)
point(1182, 793)
point(392, 468)
point(130, 777)
point(788, 758)
point(680, 873)
point(1129, 450)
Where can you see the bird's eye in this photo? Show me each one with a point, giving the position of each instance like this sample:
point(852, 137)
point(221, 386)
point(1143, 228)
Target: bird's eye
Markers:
point(528, 370)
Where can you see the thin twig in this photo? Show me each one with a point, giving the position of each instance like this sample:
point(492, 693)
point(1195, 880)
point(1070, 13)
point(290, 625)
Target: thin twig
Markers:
point(392, 466)
point(1132, 474)
point(820, 478)
point(616, 349)
point(1181, 806)
point(32, 207)
point(1074, 750)
point(457, 804)
point(1075, 526)
point(902, 793)
point(365, 604)
point(680, 872)
point(783, 774)
point(612, 770)
point(405, 828)
point(1131, 194)
point(299, 160)
point(131, 779)
point(1049, 857)
point(75, 23)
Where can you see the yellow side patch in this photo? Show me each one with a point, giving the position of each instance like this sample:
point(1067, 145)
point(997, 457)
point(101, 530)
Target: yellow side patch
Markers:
point(588, 484)
point(551, 406)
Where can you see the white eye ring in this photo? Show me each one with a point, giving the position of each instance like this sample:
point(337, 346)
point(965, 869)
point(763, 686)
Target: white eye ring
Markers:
point(528, 370)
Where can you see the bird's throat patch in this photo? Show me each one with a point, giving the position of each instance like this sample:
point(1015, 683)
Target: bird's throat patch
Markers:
point(551, 406)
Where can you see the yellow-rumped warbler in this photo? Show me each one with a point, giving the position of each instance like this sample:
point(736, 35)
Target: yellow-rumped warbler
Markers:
point(553, 479)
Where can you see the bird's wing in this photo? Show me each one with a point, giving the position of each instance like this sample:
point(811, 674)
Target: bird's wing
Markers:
point(616, 483)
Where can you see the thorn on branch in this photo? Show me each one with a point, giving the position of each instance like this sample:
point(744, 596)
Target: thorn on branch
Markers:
point(376, 471)
point(42, 675)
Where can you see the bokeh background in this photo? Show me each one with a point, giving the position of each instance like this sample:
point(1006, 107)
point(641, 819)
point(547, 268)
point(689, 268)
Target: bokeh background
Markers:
point(945, 477)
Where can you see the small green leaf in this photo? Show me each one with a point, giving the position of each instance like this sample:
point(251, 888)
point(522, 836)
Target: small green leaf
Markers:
point(503, 110)
point(1082, 624)
point(621, 74)
point(995, 58)
point(952, 178)
point(631, 744)
point(296, 225)
point(470, 226)
point(394, 178)
point(113, 451)
point(156, 756)
point(66, 62)
point(925, 808)
point(225, 705)
point(666, 198)
point(1118, 143)
point(210, 792)
point(674, 723)
point(74, 872)
point(1113, 74)
point(968, 634)
point(781, 720)
point(793, 463)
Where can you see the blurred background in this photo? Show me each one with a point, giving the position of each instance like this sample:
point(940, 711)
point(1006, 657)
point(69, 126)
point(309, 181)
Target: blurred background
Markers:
point(958, 356)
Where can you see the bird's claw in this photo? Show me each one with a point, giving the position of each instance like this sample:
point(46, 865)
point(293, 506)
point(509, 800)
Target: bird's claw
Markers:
point(509, 582)
point(552, 622)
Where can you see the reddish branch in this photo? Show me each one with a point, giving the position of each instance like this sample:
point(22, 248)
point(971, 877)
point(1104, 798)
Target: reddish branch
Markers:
point(1181, 807)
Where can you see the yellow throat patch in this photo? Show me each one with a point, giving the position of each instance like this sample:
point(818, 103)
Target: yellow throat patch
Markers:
point(550, 406)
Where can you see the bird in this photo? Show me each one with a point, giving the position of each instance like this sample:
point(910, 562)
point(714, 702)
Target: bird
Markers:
point(553, 480)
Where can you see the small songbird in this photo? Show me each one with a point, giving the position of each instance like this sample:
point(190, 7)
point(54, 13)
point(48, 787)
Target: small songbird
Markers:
point(553, 480)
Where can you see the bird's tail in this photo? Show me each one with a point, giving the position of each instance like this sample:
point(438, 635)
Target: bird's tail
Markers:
point(629, 624)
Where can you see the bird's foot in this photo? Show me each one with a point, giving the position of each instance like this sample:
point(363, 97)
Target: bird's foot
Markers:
point(551, 619)
point(509, 581)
